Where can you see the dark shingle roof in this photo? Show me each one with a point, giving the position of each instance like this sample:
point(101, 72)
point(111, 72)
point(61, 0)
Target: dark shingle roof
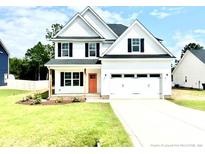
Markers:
point(73, 62)
point(200, 54)
point(138, 56)
point(120, 28)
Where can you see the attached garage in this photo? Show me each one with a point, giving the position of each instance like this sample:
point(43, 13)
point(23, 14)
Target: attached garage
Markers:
point(136, 85)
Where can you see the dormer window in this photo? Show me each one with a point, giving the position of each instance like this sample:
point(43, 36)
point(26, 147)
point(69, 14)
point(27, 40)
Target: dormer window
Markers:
point(64, 49)
point(92, 49)
point(135, 45)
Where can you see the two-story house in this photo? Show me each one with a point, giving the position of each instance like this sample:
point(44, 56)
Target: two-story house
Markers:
point(4, 64)
point(110, 60)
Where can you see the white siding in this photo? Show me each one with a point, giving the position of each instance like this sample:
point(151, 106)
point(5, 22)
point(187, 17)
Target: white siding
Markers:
point(78, 28)
point(98, 25)
point(76, 89)
point(162, 67)
point(79, 50)
point(191, 67)
point(150, 46)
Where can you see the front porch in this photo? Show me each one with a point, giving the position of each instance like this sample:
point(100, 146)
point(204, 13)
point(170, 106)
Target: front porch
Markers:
point(75, 81)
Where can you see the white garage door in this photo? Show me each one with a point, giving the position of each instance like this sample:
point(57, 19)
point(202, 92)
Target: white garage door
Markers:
point(145, 85)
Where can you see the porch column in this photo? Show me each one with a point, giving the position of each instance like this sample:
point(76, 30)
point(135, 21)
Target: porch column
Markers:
point(84, 82)
point(50, 83)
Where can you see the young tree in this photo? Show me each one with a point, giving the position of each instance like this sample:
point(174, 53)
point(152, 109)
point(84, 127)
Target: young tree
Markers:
point(55, 28)
point(191, 46)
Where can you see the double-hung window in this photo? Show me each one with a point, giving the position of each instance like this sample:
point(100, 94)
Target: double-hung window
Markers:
point(76, 78)
point(92, 49)
point(65, 49)
point(68, 79)
point(72, 79)
point(135, 45)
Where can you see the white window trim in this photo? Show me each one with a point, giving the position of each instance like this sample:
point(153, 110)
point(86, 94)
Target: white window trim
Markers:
point(95, 49)
point(64, 49)
point(135, 45)
point(72, 79)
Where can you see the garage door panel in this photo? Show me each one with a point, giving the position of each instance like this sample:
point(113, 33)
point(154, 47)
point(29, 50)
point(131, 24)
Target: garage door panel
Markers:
point(140, 86)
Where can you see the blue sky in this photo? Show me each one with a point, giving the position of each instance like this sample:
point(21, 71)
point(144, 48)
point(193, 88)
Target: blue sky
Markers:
point(23, 27)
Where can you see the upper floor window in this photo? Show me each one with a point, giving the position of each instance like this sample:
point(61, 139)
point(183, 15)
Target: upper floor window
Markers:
point(92, 49)
point(65, 49)
point(135, 45)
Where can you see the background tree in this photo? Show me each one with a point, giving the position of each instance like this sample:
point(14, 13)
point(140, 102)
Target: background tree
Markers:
point(55, 28)
point(191, 46)
point(31, 67)
point(38, 56)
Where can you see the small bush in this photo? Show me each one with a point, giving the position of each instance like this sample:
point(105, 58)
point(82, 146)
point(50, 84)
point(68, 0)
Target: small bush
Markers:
point(29, 97)
point(75, 99)
point(59, 100)
point(44, 95)
point(37, 99)
point(24, 99)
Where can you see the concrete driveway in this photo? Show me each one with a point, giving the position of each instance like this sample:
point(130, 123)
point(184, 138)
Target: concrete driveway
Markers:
point(160, 123)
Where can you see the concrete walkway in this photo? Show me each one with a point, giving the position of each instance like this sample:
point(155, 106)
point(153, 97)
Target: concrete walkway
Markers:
point(160, 123)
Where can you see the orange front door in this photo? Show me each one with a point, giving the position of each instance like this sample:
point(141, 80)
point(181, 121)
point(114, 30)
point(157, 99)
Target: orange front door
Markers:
point(92, 83)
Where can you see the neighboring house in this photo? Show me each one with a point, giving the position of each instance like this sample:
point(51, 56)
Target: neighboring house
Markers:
point(190, 71)
point(4, 64)
point(92, 56)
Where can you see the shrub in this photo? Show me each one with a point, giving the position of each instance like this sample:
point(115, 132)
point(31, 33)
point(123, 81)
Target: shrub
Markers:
point(29, 97)
point(44, 95)
point(37, 99)
point(59, 100)
point(75, 99)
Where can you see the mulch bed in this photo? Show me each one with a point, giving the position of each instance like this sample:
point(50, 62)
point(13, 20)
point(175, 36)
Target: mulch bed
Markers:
point(45, 102)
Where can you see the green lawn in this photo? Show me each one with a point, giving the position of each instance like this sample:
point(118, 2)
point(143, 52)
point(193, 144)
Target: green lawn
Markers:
point(79, 124)
point(199, 105)
point(189, 98)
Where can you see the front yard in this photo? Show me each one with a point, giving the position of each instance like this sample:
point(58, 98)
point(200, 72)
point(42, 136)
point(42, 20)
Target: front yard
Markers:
point(189, 98)
point(77, 124)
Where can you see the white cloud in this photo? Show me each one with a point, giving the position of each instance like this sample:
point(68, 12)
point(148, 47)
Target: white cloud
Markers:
point(159, 14)
point(116, 17)
point(166, 12)
point(181, 39)
point(22, 28)
point(199, 31)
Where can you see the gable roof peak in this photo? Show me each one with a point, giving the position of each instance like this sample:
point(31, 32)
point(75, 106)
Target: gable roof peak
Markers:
point(139, 24)
point(72, 20)
point(97, 16)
